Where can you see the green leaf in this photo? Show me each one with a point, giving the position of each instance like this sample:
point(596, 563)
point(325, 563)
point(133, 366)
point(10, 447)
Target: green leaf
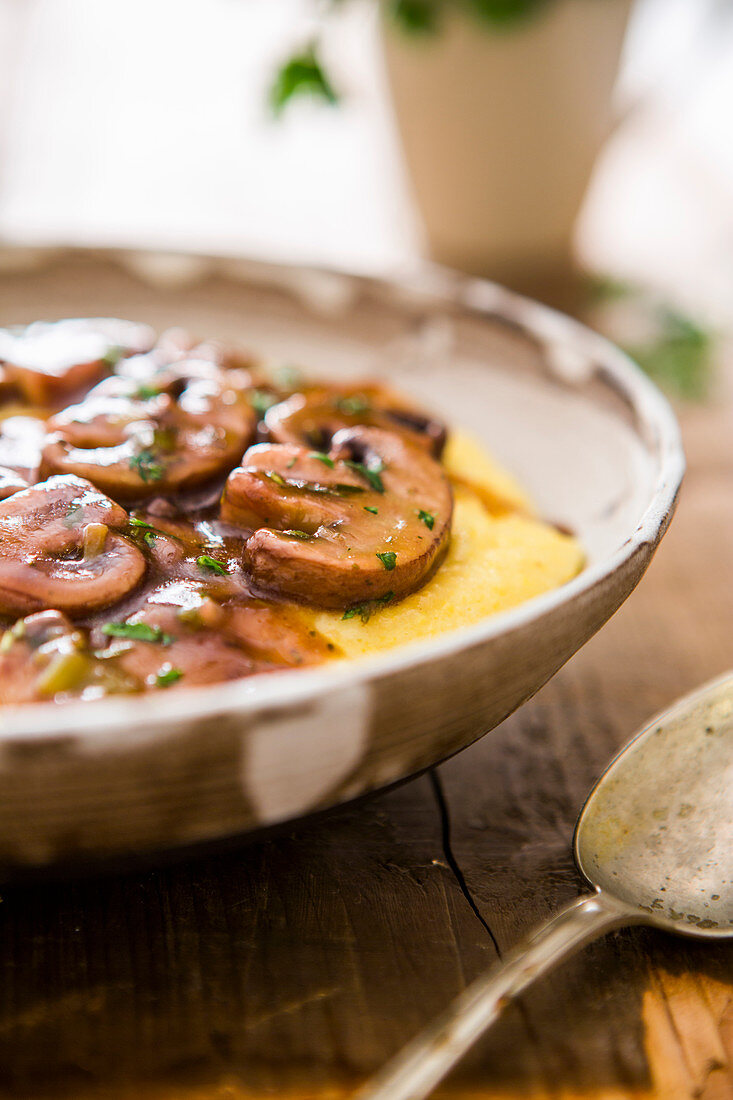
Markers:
point(297, 534)
point(212, 565)
point(374, 511)
point(681, 358)
point(388, 560)
point(301, 75)
point(414, 16)
point(137, 632)
point(427, 518)
point(504, 14)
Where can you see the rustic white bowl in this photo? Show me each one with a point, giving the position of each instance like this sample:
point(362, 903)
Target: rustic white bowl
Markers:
point(590, 437)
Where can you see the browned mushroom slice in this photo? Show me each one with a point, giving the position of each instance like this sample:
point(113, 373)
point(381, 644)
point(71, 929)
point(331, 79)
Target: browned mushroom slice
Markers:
point(57, 549)
point(51, 361)
point(162, 645)
point(370, 520)
point(136, 443)
point(21, 441)
point(11, 482)
point(313, 417)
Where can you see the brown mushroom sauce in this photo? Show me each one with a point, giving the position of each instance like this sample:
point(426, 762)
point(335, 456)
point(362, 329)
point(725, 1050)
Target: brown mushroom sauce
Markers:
point(167, 506)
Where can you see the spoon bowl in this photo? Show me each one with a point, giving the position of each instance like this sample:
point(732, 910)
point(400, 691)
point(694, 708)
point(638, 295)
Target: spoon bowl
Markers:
point(655, 839)
point(657, 830)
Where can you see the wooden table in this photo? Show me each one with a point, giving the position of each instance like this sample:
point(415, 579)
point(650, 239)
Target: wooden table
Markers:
point(296, 965)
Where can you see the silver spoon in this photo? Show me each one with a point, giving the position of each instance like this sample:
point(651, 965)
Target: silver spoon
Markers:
point(655, 839)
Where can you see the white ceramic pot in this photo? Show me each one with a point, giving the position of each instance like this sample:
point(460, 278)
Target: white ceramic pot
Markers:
point(500, 129)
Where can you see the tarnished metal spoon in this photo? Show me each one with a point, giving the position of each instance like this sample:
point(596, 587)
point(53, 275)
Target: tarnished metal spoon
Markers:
point(655, 839)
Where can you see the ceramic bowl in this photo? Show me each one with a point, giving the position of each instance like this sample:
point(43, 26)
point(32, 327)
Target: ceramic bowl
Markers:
point(590, 437)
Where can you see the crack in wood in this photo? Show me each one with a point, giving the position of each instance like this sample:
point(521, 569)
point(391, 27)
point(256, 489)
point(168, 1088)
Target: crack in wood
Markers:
point(451, 859)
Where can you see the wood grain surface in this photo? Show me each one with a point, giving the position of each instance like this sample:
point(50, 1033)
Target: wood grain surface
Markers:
point(296, 965)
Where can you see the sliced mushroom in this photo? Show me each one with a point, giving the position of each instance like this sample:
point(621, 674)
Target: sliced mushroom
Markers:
point(314, 416)
point(175, 647)
point(138, 442)
point(11, 482)
point(21, 440)
point(52, 361)
point(57, 549)
point(370, 520)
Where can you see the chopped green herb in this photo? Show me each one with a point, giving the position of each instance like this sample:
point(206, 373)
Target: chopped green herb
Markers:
point(322, 458)
point(297, 534)
point(388, 560)
point(135, 522)
point(275, 476)
point(292, 462)
point(354, 405)
point(168, 675)
point(261, 401)
point(342, 489)
point(146, 466)
point(138, 632)
point(113, 355)
point(427, 518)
point(164, 439)
point(144, 392)
point(370, 473)
point(74, 515)
point(287, 378)
point(149, 538)
point(213, 566)
point(374, 511)
point(366, 610)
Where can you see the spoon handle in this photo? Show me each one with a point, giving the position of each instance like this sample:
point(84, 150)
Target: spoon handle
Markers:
point(423, 1063)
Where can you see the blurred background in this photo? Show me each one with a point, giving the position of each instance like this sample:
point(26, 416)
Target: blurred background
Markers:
point(491, 135)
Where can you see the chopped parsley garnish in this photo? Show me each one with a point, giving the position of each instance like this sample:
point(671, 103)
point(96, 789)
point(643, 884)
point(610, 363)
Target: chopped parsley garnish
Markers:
point(288, 378)
point(374, 511)
point(135, 522)
point(370, 473)
point(275, 476)
point(137, 632)
point(324, 458)
point(213, 566)
point(297, 534)
point(74, 515)
point(261, 401)
point(168, 675)
point(292, 462)
point(427, 518)
point(354, 405)
point(388, 560)
point(145, 392)
point(366, 610)
point(342, 489)
point(113, 355)
point(146, 466)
